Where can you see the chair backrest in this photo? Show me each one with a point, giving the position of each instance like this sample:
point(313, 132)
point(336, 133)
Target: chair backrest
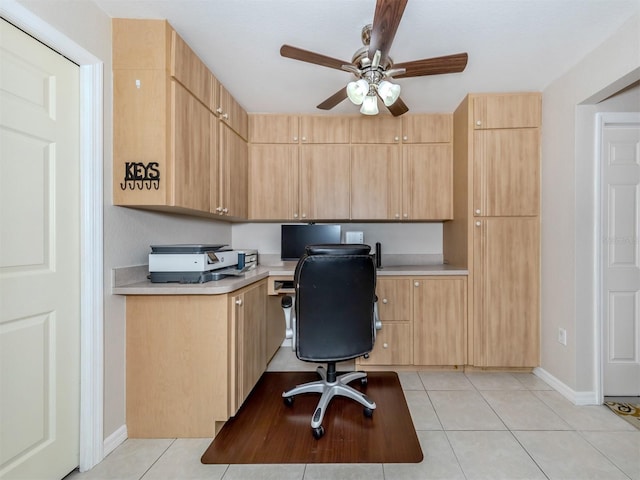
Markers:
point(335, 296)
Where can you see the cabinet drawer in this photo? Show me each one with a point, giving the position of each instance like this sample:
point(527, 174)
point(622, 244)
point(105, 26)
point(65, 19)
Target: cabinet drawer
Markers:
point(392, 347)
point(394, 299)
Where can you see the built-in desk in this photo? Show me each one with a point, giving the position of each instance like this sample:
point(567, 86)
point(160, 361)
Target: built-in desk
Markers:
point(195, 351)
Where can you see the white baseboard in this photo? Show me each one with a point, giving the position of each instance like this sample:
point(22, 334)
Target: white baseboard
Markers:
point(115, 439)
point(577, 398)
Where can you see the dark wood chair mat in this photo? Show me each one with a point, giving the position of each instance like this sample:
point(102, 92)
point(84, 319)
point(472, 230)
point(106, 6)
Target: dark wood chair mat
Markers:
point(266, 431)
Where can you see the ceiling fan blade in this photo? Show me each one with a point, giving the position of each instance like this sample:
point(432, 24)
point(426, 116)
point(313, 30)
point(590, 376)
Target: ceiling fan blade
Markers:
point(398, 108)
point(311, 57)
point(385, 24)
point(334, 99)
point(433, 66)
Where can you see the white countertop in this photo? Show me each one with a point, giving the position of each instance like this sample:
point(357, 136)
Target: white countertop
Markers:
point(232, 283)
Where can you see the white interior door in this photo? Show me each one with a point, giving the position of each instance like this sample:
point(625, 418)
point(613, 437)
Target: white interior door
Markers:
point(39, 259)
point(620, 187)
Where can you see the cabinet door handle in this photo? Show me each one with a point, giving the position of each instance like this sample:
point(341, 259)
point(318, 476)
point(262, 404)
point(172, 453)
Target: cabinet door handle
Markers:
point(397, 215)
point(239, 302)
point(225, 116)
point(477, 211)
point(219, 110)
point(304, 215)
point(385, 345)
point(295, 139)
point(385, 301)
point(478, 223)
point(416, 284)
point(405, 138)
point(478, 123)
point(219, 209)
point(304, 139)
point(405, 215)
point(396, 139)
point(225, 210)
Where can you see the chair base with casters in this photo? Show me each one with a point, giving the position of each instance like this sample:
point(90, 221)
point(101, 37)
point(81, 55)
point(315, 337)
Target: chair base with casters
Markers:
point(331, 385)
point(332, 318)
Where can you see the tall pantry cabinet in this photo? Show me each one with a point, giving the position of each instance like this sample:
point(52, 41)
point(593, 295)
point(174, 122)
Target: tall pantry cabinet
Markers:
point(496, 226)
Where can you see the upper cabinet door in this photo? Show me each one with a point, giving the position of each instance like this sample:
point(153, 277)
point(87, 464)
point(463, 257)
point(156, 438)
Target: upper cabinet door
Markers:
point(191, 154)
point(376, 182)
point(273, 182)
point(506, 172)
point(189, 70)
point(324, 129)
point(428, 182)
point(232, 114)
point(427, 128)
point(268, 128)
point(324, 182)
point(376, 129)
point(517, 110)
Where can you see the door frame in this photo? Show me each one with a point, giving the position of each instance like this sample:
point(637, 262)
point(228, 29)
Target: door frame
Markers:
point(91, 229)
point(602, 119)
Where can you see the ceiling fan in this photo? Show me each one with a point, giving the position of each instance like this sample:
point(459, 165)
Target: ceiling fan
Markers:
point(373, 67)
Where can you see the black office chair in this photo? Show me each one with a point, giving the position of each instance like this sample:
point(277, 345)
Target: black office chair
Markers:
point(332, 318)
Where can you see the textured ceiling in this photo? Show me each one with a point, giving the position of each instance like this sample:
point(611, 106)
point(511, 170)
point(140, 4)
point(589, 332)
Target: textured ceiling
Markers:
point(513, 45)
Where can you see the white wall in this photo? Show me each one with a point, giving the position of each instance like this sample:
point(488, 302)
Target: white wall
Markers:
point(127, 232)
point(567, 202)
point(396, 238)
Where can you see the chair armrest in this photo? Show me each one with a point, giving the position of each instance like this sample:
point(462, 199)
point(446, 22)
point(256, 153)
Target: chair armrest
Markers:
point(289, 319)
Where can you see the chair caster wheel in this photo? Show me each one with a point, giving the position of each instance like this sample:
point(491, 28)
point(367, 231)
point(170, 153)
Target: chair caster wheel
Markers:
point(368, 412)
point(364, 381)
point(318, 432)
point(288, 401)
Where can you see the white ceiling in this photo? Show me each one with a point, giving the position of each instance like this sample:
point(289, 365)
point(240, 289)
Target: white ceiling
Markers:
point(513, 45)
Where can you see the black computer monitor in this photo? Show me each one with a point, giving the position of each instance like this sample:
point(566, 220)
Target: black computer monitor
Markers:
point(295, 238)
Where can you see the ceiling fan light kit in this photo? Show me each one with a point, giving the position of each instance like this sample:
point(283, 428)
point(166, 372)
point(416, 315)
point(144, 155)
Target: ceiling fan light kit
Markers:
point(372, 66)
point(369, 105)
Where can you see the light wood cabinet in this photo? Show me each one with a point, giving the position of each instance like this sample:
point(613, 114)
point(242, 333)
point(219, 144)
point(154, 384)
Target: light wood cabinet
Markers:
point(273, 182)
point(506, 291)
point(423, 322)
point(273, 128)
point(248, 311)
point(506, 110)
point(495, 232)
point(233, 168)
point(231, 113)
point(506, 172)
point(376, 182)
point(168, 151)
point(385, 181)
point(393, 344)
point(191, 360)
point(427, 128)
point(439, 320)
point(427, 182)
point(324, 129)
point(324, 182)
point(375, 129)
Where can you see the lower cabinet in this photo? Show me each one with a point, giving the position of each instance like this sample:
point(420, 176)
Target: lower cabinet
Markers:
point(439, 320)
point(192, 360)
point(423, 322)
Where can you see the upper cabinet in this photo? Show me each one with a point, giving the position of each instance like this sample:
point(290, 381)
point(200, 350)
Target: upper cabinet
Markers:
point(166, 143)
point(376, 129)
point(427, 128)
point(507, 110)
point(392, 168)
point(232, 114)
point(324, 129)
point(273, 128)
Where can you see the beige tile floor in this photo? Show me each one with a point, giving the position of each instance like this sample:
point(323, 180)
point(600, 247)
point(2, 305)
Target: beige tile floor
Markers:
point(470, 426)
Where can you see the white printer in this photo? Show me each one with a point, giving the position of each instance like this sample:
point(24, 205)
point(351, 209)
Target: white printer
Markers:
point(191, 263)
